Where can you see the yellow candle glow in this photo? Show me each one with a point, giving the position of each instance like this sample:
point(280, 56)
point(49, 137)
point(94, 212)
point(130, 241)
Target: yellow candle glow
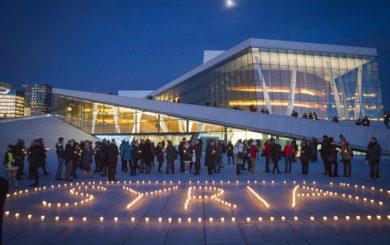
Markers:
point(272, 219)
point(324, 218)
point(160, 220)
point(116, 219)
point(56, 218)
point(101, 219)
point(43, 218)
point(295, 218)
point(211, 220)
point(70, 219)
point(311, 218)
point(29, 217)
point(84, 219)
point(347, 218)
point(248, 219)
point(17, 215)
point(358, 218)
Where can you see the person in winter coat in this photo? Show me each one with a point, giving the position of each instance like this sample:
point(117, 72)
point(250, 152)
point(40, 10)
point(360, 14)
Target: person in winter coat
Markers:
point(60, 151)
point(218, 157)
point(180, 148)
point(373, 157)
point(36, 159)
point(305, 157)
point(171, 156)
point(346, 156)
point(287, 152)
point(97, 153)
point(70, 155)
point(124, 162)
point(313, 144)
point(366, 122)
point(126, 156)
point(148, 155)
point(332, 158)
point(295, 149)
point(19, 153)
point(141, 149)
point(267, 155)
point(197, 150)
point(252, 158)
point(112, 160)
point(210, 157)
point(186, 156)
point(160, 156)
point(323, 153)
point(276, 155)
point(230, 152)
point(134, 157)
point(239, 156)
point(12, 168)
point(86, 160)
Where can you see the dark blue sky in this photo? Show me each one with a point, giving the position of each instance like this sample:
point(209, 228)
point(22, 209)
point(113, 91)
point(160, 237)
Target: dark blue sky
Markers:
point(111, 45)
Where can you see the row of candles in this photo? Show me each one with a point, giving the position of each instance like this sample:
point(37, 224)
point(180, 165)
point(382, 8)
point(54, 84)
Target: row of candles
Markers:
point(214, 197)
point(142, 194)
point(362, 187)
point(318, 192)
point(222, 219)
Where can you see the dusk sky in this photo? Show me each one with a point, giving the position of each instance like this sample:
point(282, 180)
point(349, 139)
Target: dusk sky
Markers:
point(111, 45)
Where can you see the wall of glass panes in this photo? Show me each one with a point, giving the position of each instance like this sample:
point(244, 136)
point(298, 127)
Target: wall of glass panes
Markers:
point(283, 81)
point(110, 121)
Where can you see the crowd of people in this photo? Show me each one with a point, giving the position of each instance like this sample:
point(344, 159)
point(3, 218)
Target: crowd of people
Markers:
point(139, 157)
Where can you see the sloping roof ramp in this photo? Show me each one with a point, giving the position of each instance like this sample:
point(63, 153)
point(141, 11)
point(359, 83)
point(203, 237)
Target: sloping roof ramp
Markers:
point(357, 136)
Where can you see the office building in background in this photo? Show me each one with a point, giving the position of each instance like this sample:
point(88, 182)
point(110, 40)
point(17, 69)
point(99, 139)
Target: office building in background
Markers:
point(37, 97)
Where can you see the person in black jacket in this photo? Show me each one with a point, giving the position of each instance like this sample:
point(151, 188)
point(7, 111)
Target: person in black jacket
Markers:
point(43, 163)
point(373, 156)
point(112, 160)
point(276, 155)
point(366, 122)
point(134, 156)
point(160, 156)
point(60, 157)
point(332, 158)
point(104, 157)
point(69, 156)
point(171, 155)
point(230, 152)
point(323, 153)
point(19, 153)
point(148, 155)
point(305, 157)
point(97, 155)
point(197, 150)
point(180, 148)
point(210, 157)
point(36, 157)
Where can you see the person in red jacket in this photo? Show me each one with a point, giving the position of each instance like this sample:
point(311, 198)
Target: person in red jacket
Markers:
point(267, 154)
point(287, 152)
point(253, 155)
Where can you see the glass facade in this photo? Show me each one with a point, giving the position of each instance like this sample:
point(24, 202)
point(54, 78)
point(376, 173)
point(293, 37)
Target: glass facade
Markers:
point(11, 104)
point(111, 121)
point(330, 84)
point(37, 96)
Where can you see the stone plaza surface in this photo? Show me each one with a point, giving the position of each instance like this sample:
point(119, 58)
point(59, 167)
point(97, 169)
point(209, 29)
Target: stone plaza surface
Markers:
point(250, 222)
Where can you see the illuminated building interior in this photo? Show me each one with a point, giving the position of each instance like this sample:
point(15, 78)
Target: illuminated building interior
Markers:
point(318, 79)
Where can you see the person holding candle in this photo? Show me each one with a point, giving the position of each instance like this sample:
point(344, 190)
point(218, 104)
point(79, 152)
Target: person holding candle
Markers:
point(210, 157)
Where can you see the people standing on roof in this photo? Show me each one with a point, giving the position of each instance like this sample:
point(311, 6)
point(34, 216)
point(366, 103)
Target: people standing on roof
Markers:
point(335, 119)
point(12, 168)
point(346, 157)
point(239, 156)
point(373, 157)
point(86, 159)
point(287, 153)
point(332, 158)
point(386, 117)
point(358, 122)
point(276, 155)
point(366, 121)
point(304, 115)
point(60, 151)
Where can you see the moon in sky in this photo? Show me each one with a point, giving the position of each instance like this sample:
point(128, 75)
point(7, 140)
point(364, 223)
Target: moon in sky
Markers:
point(229, 3)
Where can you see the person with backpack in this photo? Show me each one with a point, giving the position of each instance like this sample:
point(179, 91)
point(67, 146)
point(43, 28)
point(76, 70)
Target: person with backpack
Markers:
point(60, 151)
point(346, 156)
